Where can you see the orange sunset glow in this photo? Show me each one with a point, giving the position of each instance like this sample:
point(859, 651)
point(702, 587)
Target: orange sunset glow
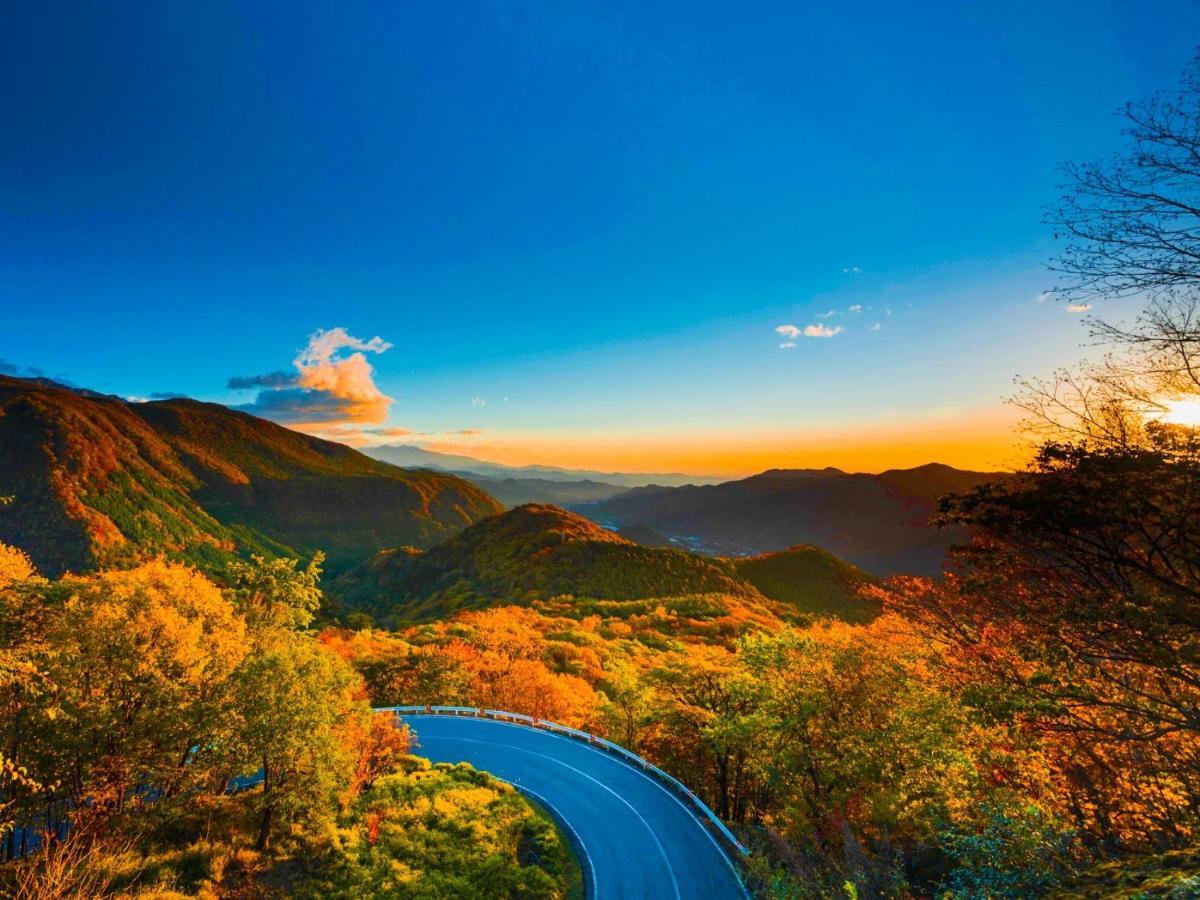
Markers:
point(979, 440)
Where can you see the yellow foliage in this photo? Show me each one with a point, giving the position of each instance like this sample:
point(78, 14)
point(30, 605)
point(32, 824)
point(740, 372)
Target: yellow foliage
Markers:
point(15, 565)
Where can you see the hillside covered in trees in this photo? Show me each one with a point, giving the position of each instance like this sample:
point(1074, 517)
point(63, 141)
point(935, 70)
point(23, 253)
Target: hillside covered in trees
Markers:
point(140, 702)
point(537, 553)
point(97, 481)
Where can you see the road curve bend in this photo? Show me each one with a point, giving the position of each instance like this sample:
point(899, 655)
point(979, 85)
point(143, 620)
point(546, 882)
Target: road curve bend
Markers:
point(637, 838)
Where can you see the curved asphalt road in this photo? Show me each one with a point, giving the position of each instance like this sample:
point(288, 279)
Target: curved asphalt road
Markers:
point(639, 839)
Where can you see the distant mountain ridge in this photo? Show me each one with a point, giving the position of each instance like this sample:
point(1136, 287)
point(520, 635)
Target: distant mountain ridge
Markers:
point(99, 481)
point(411, 456)
point(878, 522)
point(519, 491)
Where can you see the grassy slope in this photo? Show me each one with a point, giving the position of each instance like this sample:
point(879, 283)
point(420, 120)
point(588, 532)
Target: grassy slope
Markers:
point(102, 482)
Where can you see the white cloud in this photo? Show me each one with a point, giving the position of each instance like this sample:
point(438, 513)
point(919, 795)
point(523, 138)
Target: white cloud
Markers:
point(828, 314)
point(788, 345)
point(822, 331)
point(851, 270)
point(1078, 307)
point(856, 308)
point(478, 401)
point(328, 387)
point(876, 327)
point(1043, 296)
point(788, 331)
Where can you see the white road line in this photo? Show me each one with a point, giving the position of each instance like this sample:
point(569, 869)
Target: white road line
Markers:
point(661, 850)
point(654, 781)
point(546, 803)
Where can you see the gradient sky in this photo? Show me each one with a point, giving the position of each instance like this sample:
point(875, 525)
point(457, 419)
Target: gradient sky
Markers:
point(578, 226)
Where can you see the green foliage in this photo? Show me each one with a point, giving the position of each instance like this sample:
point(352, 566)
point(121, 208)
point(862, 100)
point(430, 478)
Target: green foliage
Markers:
point(445, 832)
point(291, 703)
point(274, 594)
point(1013, 853)
point(811, 581)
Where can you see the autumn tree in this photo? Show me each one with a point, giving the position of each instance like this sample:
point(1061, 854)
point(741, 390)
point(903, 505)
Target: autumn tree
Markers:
point(24, 684)
point(628, 701)
point(276, 595)
point(1079, 599)
point(843, 705)
point(294, 706)
point(141, 661)
point(416, 675)
point(711, 713)
point(502, 653)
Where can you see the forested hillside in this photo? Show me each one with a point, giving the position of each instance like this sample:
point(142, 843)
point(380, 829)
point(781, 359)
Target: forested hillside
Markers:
point(97, 481)
point(528, 554)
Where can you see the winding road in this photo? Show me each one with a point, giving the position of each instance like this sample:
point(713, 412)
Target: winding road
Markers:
point(636, 837)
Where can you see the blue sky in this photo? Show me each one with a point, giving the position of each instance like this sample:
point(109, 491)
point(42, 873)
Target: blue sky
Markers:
point(577, 225)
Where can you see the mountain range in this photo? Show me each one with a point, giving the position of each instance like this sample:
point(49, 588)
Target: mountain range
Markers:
point(417, 457)
point(99, 481)
point(880, 523)
point(512, 492)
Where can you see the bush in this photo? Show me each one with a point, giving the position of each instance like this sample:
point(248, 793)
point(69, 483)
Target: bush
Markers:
point(1012, 852)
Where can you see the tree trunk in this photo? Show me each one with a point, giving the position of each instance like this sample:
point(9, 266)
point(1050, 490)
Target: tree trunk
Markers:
point(264, 829)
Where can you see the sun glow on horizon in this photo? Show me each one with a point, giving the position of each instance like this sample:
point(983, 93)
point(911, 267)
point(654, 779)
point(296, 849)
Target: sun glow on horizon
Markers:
point(1183, 411)
point(981, 439)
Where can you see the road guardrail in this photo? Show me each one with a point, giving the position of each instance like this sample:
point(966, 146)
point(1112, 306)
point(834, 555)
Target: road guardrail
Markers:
point(699, 807)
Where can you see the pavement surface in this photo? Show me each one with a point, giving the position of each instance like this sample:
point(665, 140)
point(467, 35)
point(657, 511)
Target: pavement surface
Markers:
point(637, 838)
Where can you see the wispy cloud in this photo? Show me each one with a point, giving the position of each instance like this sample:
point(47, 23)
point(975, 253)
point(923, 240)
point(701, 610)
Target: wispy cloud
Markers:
point(354, 436)
point(876, 327)
point(18, 371)
point(828, 314)
point(333, 385)
point(856, 308)
point(1044, 296)
point(272, 381)
point(478, 402)
point(790, 332)
point(851, 270)
point(1078, 307)
point(822, 331)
